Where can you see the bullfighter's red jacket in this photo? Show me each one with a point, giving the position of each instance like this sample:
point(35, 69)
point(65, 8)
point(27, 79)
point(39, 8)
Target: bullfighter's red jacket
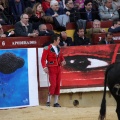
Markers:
point(51, 57)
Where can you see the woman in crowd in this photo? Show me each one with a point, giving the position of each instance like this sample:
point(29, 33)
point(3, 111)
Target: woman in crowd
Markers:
point(38, 13)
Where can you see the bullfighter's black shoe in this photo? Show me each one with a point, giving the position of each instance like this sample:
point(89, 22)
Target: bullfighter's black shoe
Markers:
point(48, 104)
point(56, 105)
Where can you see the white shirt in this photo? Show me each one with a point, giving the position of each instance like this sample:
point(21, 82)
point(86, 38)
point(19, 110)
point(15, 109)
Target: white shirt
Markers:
point(55, 49)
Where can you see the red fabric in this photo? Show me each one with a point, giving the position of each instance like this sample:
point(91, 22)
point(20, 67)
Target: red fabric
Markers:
point(54, 68)
point(45, 5)
point(51, 57)
point(83, 77)
point(54, 78)
point(38, 14)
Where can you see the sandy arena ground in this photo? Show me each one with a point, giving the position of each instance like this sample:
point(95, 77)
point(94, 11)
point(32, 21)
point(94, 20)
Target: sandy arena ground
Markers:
point(51, 113)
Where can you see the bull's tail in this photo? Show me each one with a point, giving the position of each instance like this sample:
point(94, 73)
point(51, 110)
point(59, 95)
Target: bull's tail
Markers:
point(103, 104)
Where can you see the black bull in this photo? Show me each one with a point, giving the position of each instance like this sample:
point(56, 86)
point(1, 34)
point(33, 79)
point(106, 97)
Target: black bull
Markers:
point(112, 80)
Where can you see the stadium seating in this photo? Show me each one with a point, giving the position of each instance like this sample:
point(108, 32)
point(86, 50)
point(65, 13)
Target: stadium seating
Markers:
point(10, 27)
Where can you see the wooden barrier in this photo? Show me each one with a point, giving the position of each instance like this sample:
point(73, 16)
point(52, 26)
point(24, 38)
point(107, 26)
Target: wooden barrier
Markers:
point(96, 37)
point(23, 42)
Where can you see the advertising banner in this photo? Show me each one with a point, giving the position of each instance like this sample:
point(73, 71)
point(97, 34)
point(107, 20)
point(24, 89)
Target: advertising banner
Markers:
point(18, 78)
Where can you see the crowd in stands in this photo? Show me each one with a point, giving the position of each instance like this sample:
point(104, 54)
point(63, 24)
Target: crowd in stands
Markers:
point(30, 17)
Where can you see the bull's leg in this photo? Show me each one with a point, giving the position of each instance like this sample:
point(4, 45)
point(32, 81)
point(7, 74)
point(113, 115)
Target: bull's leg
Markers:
point(117, 98)
point(118, 109)
point(118, 114)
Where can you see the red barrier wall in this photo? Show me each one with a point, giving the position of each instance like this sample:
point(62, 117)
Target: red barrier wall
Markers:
point(23, 42)
point(96, 37)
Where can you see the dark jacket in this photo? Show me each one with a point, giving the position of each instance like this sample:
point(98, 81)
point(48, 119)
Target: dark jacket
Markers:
point(50, 56)
point(94, 14)
point(46, 33)
point(14, 11)
point(114, 30)
point(68, 41)
point(74, 14)
point(35, 21)
point(80, 41)
point(21, 30)
point(50, 12)
point(103, 41)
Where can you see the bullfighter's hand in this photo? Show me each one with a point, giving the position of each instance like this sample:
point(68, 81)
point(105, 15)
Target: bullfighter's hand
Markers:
point(46, 70)
point(63, 63)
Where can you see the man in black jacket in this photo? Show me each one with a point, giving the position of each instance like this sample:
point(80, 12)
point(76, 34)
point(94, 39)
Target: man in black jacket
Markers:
point(115, 28)
point(71, 11)
point(108, 39)
point(80, 39)
point(65, 40)
point(88, 13)
point(16, 9)
point(43, 31)
point(24, 28)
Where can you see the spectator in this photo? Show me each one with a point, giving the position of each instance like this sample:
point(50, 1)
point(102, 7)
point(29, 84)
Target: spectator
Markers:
point(115, 28)
point(54, 8)
point(117, 3)
point(38, 13)
point(23, 28)
point(72, 12)
point(79, 4)
point(46, 4)
point(43, 31)
point(108, 39)
point(4, 14)
point(96, 28)
point(6, 34)
point(108, 11)
point(80, 38)
point(58, 14)
point(4, 5)
point(3, 19)
point(16, 8)
point(35, 20)
point(4, 8)
point(88, 13)
point(29, 12)
point(65, 40)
